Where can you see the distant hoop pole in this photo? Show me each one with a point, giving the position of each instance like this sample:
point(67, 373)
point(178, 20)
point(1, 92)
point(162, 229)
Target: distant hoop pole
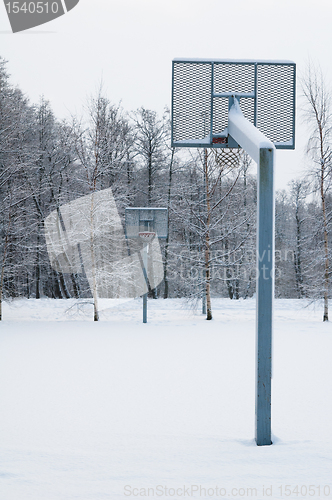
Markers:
point(262, 151)
point(146, 237)
point(146, 223)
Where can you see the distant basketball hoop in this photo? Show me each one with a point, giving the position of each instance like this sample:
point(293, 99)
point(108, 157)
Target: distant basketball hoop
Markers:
point(149, 224)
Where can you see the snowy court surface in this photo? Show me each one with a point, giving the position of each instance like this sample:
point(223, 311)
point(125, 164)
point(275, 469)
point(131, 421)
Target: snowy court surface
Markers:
point(118, 409)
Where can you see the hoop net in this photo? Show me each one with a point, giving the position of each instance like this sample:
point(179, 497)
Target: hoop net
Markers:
point(146, 236)
point(229, 158)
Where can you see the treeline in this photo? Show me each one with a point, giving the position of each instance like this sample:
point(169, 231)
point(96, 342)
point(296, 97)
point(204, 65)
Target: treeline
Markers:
point(211, 197)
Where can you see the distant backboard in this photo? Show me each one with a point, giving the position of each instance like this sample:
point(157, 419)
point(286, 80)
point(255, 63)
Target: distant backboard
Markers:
point(141, 219)
point(201, 92)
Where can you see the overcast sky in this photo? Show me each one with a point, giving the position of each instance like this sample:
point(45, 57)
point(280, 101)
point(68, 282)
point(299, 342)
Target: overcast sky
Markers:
point(129, 45)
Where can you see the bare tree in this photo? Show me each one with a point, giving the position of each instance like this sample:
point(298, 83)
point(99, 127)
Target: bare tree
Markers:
point(16, 139)
point(299, 193)
point(150, 147)
point(104, 151)
point(203, 207)
point(319, 119)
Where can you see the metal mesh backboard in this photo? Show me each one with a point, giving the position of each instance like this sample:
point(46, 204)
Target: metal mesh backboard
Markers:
point(139, 219)
point(201, 92)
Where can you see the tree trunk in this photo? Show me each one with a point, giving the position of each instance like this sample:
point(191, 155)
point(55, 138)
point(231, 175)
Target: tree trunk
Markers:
point(1, 284)
point(166, 291)
point(228, 271)
point(326, 250)
point(74, 280)
point(3, 265)
point(63, 286)
point(93, 266)
point(298, 257)
point(207, 240)
point(150, 181)
point(326, 244)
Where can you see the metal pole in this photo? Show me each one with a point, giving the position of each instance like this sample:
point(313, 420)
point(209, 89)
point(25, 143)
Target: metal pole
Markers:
point(265, 295)
point(261, 149)
point(145, 308)
point(145, 296)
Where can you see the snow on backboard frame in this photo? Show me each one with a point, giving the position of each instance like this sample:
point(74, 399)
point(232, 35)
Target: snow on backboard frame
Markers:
point(141, 219)
point(201, 94)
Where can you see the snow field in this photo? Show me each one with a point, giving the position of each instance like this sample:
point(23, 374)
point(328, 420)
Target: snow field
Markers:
point(118, 409)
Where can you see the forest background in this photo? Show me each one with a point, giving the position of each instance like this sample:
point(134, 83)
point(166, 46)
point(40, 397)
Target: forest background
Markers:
point(211, 197)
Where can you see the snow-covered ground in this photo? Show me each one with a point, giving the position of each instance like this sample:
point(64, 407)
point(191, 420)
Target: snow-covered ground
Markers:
point(118, 409)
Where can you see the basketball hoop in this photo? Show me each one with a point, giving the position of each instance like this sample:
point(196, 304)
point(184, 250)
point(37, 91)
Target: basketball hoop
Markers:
point(250, 105)
point(146, 236)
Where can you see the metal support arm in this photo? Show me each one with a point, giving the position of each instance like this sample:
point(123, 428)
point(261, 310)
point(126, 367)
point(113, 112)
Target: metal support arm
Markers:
point(262, 151)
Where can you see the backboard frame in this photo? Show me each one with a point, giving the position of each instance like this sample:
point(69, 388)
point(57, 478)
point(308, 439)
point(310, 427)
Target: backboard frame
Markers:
point(265, 89)
point(141, 219)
